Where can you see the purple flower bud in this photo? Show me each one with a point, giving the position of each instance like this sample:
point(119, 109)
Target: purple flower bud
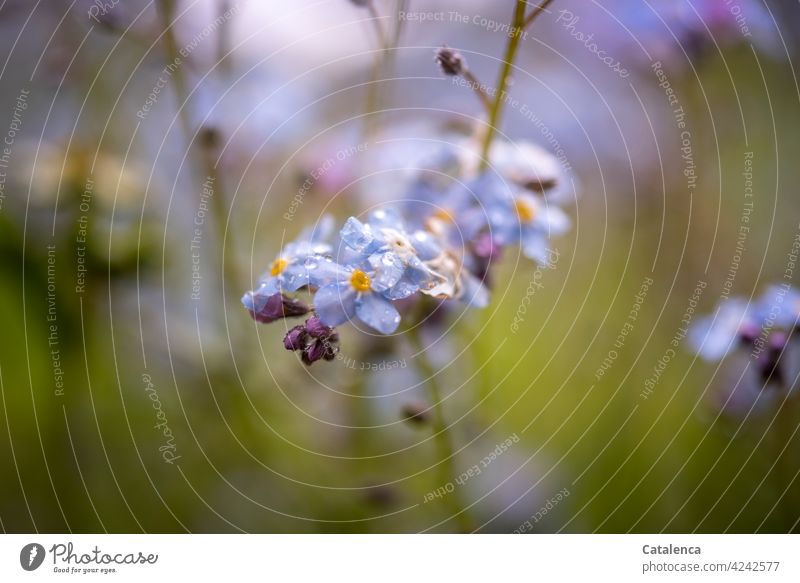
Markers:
point(314, 340)
point(330, 351)
point(314, 352)
point(484, 247)
point(770, 361)
point(450, 62)
point(778, 340)
point(295, 338)
point(748, 333)
point(485, 251)
point(276, 307)
point(317, 329)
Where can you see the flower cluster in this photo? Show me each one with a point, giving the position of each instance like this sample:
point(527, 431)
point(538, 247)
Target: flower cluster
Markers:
point(761, 332)
point(440, 241)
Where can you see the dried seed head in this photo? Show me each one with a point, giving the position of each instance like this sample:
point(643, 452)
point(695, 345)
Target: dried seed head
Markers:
point(450, 61)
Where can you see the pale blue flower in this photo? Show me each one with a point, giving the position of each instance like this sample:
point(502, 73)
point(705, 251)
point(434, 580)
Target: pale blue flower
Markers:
point(713, 336)
point(521, 217)
point(357, 293)
point(458, 214)
point(780, 306)
point(291, 268)
point(738, 321)
point(391, 251)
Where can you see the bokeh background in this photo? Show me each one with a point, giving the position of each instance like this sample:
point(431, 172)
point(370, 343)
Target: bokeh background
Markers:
point(139, 201)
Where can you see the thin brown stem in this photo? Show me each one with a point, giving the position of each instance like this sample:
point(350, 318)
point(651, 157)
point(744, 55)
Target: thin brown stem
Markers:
point(375, 18)
point(478, 89)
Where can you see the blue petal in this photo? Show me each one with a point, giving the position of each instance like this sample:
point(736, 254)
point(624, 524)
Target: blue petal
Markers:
point(418, 273)
point(359, 236)
point(294, 276)
point(556, 221)
point(471, 221)
point(269, 287)
point(386, 218)
point(425, 245)
point(713, 336)
point(402, 289)
point(388, 269)
point(322, 271)
point(377, 312)
point(458, 195)
point(535, 246)
point(504, 222)
point(251, 301)
point(473, 292)
point(490, 188)
point(335, 304)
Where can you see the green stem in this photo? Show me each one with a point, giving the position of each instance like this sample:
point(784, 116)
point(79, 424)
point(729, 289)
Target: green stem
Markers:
point(380, 63)
point(390, 59)
point(536, 12)
point(517, 25)
point(441, 434)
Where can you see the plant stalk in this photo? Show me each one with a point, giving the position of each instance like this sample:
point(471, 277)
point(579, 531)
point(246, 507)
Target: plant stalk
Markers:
point(517, 24)
point(536, 12)
point(441, 435)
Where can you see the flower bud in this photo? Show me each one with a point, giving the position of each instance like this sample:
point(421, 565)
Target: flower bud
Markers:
point(317, 329)
point(416, 413)
point(295, 338)
point(450, 61)
point(268, 309)
point(314, 340)
point(313, 352)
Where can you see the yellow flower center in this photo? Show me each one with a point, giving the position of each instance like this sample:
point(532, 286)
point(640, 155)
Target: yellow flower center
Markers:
point(360, 281)
point(278, 266)
point(525, 211)
point(443, 215)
